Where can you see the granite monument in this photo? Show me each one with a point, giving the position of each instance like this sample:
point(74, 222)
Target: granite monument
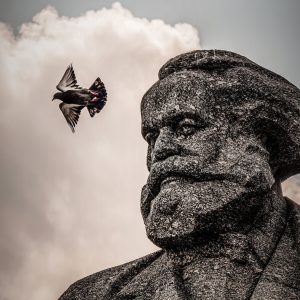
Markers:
point(222, 134)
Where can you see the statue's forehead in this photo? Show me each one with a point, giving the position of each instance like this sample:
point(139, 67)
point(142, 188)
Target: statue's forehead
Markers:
point(182, 89)
point(203, 88)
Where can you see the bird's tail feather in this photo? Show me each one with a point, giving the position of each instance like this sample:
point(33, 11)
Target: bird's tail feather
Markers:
point(98, 86)
point(91, 110)
point(96, 107)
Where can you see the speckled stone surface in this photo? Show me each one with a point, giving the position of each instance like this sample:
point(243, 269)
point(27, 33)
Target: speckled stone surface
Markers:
point(222, 134)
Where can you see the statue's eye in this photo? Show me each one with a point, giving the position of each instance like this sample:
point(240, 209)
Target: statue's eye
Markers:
point(151, 137)
point(186, 127)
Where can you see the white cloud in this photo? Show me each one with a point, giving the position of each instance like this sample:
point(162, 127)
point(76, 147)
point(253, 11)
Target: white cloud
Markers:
point(70, 202)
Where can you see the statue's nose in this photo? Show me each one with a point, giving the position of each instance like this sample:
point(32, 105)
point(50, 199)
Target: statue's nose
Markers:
point(165, 145)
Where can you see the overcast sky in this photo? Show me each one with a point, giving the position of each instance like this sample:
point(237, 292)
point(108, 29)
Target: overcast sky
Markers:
point(70, 202)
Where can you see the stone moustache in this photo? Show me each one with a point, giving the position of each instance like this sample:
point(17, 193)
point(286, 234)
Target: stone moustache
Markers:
point(222, 134)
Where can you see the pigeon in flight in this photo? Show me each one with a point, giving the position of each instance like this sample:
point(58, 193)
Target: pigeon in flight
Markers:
point(74, 98)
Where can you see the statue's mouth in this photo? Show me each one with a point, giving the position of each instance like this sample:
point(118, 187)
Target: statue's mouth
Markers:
point(168, 180)
point(162, 177)
point(174, 179)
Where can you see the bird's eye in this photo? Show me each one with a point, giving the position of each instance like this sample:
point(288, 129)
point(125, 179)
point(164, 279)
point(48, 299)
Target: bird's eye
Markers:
point(186, 127)
point(151, 137)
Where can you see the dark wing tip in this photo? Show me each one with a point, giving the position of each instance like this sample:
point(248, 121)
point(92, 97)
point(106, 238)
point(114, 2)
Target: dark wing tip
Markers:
point(68, 81)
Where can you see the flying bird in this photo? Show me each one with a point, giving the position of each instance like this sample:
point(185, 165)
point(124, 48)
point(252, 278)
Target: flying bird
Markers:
point(74, 98)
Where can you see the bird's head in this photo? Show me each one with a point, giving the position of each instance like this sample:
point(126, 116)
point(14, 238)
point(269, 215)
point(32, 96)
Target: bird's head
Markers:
point(57, 96)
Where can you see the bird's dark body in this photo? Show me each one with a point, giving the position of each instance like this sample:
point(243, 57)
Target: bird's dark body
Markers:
point(74, 98)
point(80, 97)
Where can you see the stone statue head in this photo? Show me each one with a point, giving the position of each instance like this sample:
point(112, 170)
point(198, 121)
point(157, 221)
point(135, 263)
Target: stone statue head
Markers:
point(222, 133)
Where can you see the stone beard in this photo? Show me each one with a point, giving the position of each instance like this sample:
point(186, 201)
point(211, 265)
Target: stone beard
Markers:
point(222, 134)
point(208, 175)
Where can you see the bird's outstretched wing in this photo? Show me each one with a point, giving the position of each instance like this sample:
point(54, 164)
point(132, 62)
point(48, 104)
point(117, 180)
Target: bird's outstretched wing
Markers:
point(68, 81)
point(71, 112)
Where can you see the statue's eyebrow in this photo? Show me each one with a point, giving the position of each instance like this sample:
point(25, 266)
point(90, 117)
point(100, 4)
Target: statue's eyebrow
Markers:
point(173, 118)
point(177, 116)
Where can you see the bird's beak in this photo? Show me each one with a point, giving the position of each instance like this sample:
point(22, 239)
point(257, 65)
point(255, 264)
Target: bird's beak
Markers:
point(53, 98)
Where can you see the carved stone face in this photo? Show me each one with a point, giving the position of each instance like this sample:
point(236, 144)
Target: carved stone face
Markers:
point(203, 178)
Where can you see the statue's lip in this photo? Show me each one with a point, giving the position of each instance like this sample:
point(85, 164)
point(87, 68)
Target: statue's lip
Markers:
point(169, 180)
point(155, 184)
point(174, 179)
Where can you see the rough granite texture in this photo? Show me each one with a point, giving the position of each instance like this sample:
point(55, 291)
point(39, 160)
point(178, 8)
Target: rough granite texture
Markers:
point(223, 133)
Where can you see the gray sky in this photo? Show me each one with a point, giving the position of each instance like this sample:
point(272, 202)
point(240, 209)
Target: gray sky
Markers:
point(266, 31)
point(70, 203)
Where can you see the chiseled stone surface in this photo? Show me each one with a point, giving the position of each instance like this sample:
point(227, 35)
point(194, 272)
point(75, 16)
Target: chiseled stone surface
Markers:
point(222, 134)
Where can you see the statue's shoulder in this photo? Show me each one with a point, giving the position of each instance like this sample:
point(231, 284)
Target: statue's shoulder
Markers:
point(99, 285)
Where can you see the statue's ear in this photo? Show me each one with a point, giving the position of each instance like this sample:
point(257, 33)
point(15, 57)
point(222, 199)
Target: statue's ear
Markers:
point(282, 144)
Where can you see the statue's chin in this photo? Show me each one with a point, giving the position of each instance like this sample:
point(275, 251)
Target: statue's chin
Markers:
point(170, 237)
point(184, 214)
